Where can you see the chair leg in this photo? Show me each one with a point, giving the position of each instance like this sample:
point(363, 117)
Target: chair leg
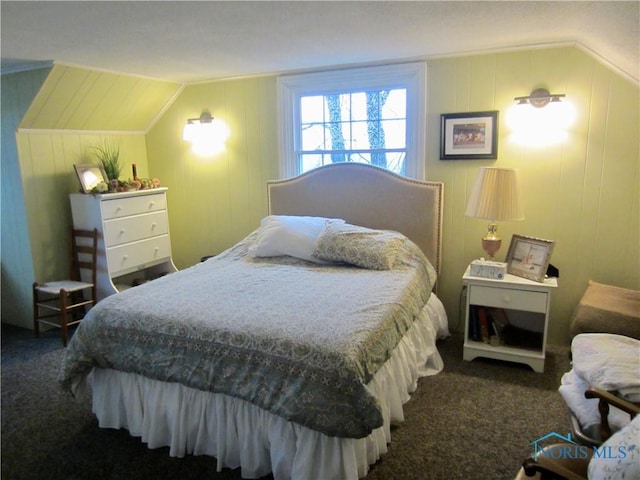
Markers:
point(36, 323)
point(63, 317)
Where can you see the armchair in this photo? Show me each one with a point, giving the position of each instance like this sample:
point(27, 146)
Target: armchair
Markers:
point(574, 461)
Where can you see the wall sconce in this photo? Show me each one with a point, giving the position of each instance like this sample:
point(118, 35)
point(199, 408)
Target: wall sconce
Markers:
point(541, 118)
point(539, 98)
point(495, 196)
point(206, 134)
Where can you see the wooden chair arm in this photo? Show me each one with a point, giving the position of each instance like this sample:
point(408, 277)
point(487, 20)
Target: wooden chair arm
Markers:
point(605, 399)
point(551, 468)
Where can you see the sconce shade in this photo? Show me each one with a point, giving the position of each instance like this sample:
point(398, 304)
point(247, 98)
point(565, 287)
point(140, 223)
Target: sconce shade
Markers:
point(206, 134)
point(496, 195)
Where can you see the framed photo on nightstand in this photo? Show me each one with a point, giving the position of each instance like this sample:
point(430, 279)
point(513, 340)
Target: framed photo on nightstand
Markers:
point(529, 257)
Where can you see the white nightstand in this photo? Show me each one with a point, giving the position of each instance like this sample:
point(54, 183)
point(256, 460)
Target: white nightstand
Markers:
point(521, 304)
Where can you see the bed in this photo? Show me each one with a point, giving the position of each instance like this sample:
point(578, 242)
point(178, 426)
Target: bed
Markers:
point(293, 351)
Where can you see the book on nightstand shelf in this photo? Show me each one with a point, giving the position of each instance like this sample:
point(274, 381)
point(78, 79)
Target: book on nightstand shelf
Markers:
point(487, 324)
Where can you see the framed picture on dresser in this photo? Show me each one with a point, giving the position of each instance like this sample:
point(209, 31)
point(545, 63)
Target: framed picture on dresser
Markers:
point(90, 175)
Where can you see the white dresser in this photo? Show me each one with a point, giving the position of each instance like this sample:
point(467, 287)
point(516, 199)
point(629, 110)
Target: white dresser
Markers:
point(133, 236)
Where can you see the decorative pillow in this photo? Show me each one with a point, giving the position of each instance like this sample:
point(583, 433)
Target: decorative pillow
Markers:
point(295, 236)
point(360, 246)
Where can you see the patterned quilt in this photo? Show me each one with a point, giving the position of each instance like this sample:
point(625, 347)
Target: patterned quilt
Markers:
point(298, 339)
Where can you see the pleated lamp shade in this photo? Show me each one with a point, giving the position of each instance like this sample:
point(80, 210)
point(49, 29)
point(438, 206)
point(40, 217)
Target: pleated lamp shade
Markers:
point(495, 197)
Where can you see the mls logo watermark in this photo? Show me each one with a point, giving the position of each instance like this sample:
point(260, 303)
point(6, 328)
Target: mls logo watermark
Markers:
point(569, 449)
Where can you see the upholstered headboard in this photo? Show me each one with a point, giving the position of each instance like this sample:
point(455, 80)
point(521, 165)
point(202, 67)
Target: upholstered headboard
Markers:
point(367, 196)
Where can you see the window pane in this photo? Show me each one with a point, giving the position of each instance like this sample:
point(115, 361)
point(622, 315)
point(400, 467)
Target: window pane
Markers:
point(313, 137)
point(395, 133)
point(358, 106)
point(309, 162)
point(396, 104)
point(312, 109)
point(357, 127)
point(393, 161)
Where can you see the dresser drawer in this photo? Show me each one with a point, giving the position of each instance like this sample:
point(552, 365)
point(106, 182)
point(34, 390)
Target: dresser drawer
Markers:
point(131, 256)
point(508, 298)
point(123, 207)
point(129, 229)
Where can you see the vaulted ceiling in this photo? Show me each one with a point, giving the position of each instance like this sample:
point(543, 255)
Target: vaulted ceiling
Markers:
point(183, 41)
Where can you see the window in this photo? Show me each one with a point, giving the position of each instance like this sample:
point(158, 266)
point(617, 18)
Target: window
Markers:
point(371, 115)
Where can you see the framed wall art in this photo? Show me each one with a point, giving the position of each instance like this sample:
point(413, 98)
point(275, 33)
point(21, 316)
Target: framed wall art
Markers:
point(469, 136)
point(529, 257)
point(90, 175)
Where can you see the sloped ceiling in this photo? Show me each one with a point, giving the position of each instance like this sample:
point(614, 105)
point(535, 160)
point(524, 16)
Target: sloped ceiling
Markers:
point(97, 100)
point(195, 41)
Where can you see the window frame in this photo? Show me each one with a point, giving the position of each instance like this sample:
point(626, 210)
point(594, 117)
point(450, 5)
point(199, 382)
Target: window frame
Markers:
point(411, 76)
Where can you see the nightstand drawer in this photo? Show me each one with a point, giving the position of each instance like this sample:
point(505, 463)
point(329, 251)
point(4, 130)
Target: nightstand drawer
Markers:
point(508, 298)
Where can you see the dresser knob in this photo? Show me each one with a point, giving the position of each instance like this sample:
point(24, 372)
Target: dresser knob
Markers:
point(153, 225)
point(506, 299)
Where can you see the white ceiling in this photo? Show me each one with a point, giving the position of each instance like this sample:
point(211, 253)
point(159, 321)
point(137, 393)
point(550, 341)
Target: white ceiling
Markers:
point(187, 41)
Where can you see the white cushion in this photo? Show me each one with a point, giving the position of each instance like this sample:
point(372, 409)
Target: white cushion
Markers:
point(294, 236)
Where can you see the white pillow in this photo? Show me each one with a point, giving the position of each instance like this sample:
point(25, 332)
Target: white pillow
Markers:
point(289, 235)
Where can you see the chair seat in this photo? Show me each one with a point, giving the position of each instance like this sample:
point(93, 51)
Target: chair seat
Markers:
point(63, 303)
point(54, 288)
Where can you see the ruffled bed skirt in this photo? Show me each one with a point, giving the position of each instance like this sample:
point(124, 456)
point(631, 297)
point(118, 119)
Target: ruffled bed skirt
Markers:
point(240, 434)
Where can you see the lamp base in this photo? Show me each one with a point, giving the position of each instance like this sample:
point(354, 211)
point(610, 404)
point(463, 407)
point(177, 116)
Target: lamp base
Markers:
point(491, 242)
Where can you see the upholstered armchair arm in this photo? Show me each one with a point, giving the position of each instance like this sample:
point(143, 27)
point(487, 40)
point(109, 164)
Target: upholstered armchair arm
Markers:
point(605, 400)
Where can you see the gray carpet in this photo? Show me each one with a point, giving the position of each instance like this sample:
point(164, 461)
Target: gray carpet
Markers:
point(475, 420)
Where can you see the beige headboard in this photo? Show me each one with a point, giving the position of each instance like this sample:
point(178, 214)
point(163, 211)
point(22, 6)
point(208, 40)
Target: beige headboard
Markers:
point(367, 196)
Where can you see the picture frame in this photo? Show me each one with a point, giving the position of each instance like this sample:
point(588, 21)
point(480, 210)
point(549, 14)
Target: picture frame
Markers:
point(529, 257)
point(90, 175)
point(469, 136)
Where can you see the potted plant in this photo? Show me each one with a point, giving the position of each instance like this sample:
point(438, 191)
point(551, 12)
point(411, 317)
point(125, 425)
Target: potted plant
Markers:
point(109, 156)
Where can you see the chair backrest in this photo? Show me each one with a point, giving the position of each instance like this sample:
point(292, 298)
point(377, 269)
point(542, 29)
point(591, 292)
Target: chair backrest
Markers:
point(84, 253)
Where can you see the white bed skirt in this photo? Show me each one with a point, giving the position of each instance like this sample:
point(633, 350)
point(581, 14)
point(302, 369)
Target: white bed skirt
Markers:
point(240, 434)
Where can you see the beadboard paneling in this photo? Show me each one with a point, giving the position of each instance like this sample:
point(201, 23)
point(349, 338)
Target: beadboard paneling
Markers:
point(48, 177)
point(215, 201)
point(582, 193)
point(75, 98)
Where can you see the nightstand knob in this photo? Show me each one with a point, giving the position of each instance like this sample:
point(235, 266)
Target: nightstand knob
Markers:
point(506, 299)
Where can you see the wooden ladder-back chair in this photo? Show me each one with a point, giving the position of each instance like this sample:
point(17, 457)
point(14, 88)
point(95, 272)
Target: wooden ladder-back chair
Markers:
point(64, 303)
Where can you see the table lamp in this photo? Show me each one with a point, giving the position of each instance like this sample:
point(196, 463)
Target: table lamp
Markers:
point(495, 197)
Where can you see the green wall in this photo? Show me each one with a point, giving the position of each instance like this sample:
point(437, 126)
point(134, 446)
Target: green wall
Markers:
point(50, 120)
point(216, 201)
point(582, 193)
